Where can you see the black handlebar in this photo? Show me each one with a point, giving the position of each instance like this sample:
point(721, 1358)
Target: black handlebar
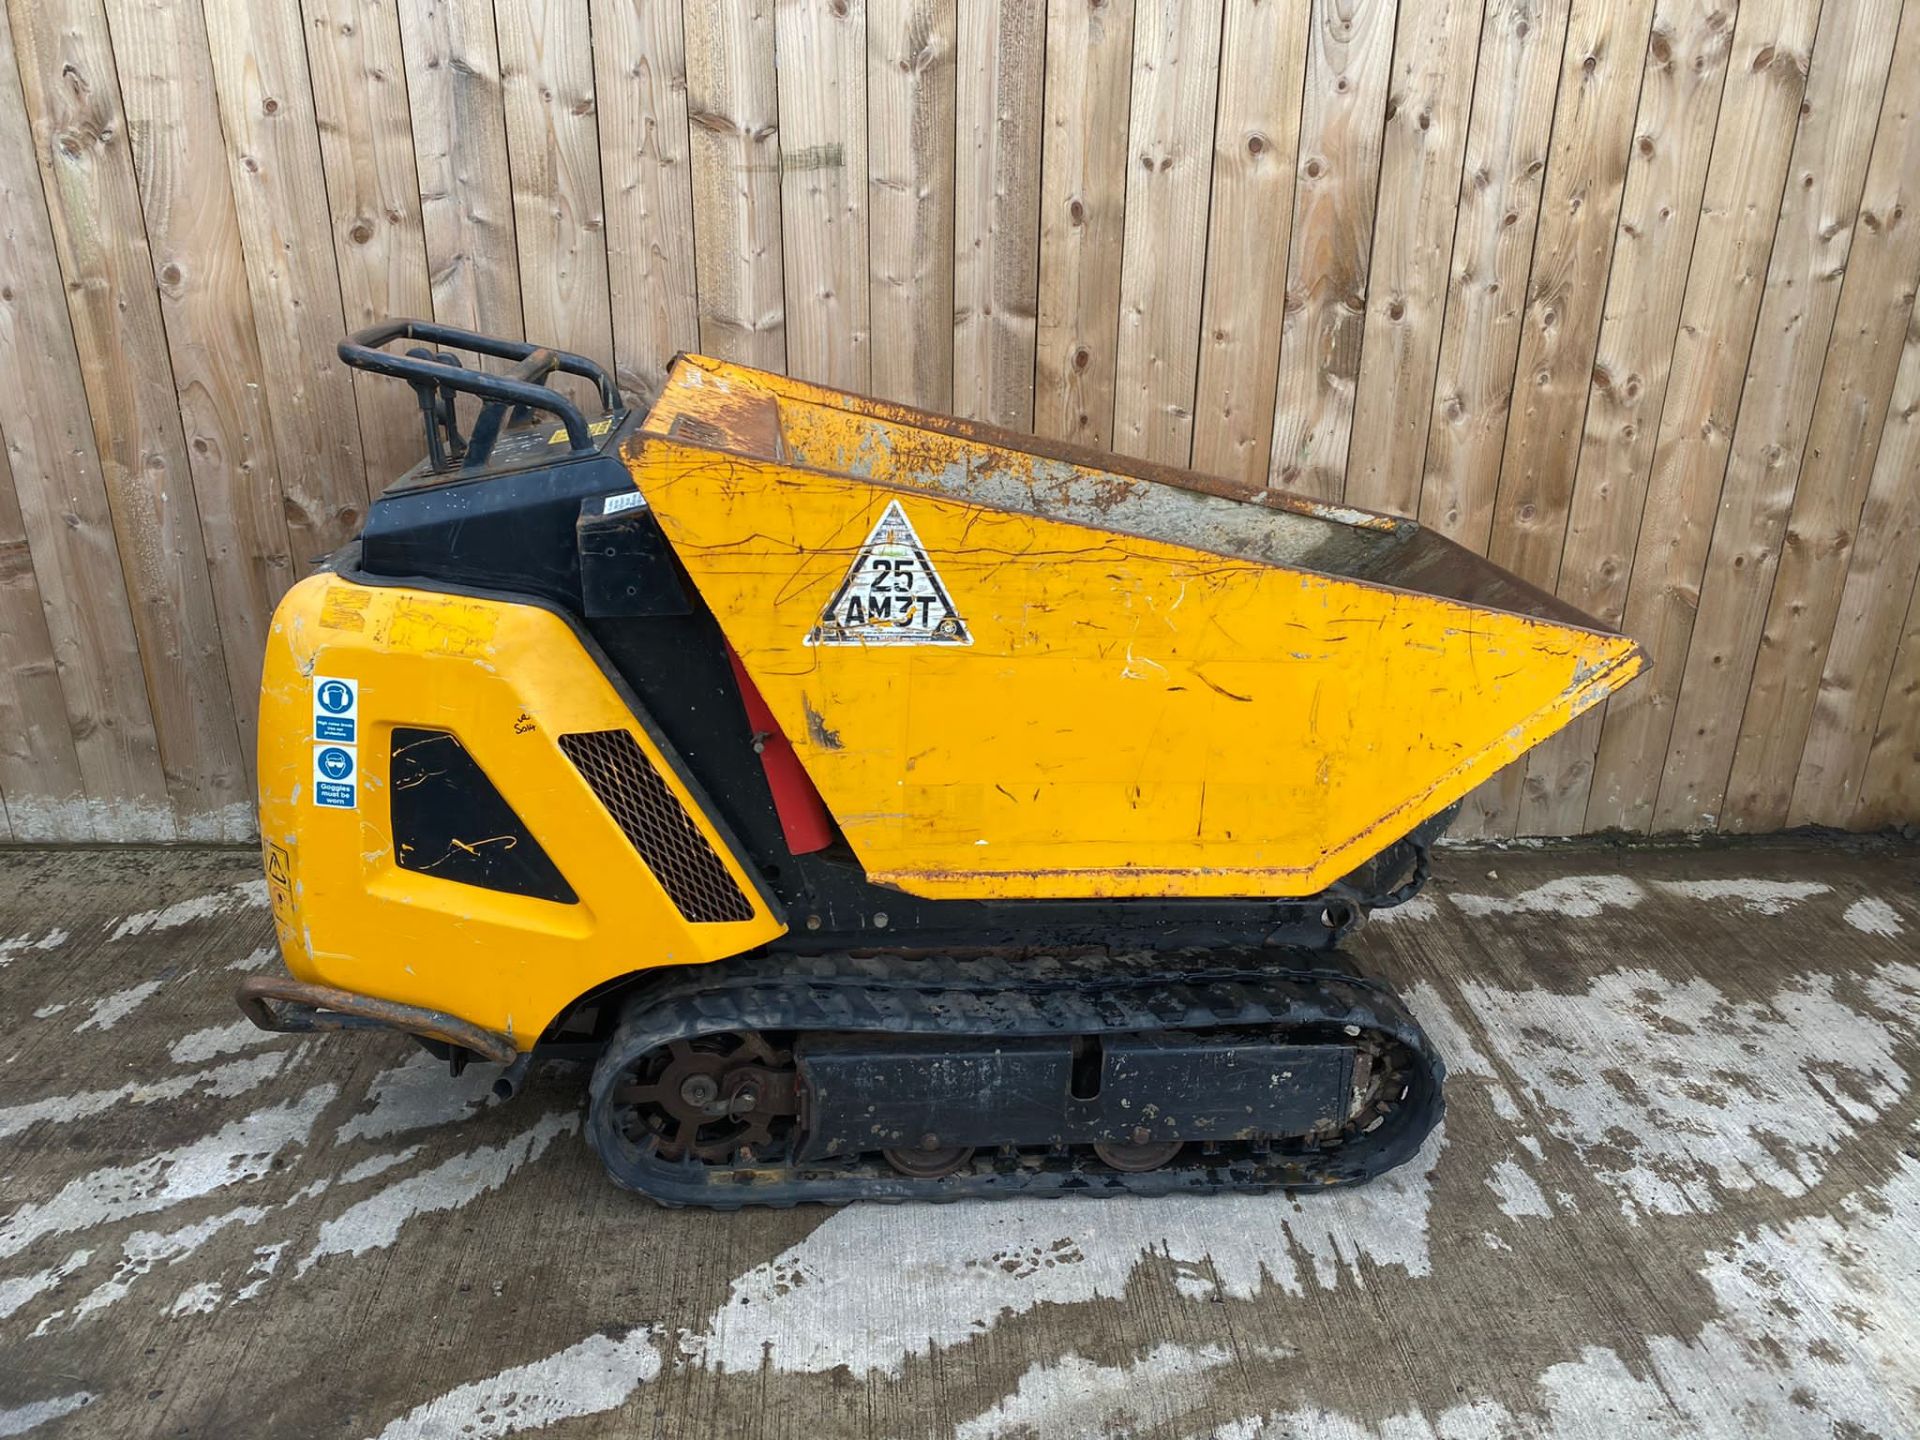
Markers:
point(437, 377)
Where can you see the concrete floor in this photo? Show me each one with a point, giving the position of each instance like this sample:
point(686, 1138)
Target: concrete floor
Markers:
point(1677, 1194)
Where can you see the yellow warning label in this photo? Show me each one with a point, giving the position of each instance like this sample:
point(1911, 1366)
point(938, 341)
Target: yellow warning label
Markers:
point(442, 625)
point(597, 429)
point(279, 861)
point(345, 607)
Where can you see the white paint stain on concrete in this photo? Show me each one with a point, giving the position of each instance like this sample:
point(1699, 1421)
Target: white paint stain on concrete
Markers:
point(18, 945)
point(1074, 1398)
point(248, 895)
point(1421, 907)
point(1874, 916)
point(203, 1045)
point(1812, 1338)
point(144, 1249)
point(1570, 897)
point(1757, 897)
point(1674, 1091)
point(919, 1278)
point(375, 1222)
point(377, 1165)
point(1448, 1036)
point(266, 1260)
point(201, 1298)
point(418, 1093)
point(590, 1378)
point(15, 1293)
point(109, 1010)
point(874, 1285)
point(47, 1012)
point(35, 1413)
point(226, 1081)
point(1517, 1192)
point(256, 959)
point(239, 1152)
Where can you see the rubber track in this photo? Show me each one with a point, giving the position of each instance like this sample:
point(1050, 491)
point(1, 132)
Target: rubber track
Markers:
point(1031, 996)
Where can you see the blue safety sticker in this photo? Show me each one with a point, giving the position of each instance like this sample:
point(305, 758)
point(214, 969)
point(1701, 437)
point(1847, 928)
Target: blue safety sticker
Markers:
point(336, 709)
point(335, 776)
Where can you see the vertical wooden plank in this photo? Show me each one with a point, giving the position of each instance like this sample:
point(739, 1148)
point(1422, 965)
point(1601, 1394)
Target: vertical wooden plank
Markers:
point(1659, 215)
point(1429, 96)
point(179, 155)
point(822, 47)
point(1890, 793)
point(1083, 185)
point(734, 114)
point(1606, 53)
point(1857, 381)
point(996, 279)
point(1885, 556)
point(1810, 252)
point(1759, 112)
point(280, 194)
point(1348, 61)
point(1256, 143)
point(640, 68)
point(553, 156)
point(366, 149)
point(41, 785)
point(910, 140)
point(1600, 70)
point(460, 158)
point(1176, 71)
point(1522, 44)
point(1520, 50)
point(67, 524)
point(99, 236)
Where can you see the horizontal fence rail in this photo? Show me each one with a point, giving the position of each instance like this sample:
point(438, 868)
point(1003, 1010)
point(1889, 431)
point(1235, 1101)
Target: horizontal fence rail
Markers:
point(1618, 292)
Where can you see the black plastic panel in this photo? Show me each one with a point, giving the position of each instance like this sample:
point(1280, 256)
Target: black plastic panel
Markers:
point(450, 822)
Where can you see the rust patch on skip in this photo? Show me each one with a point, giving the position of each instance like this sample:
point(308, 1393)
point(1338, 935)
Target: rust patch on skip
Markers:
point(818, 730)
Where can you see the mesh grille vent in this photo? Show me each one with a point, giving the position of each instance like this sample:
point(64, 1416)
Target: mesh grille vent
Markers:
point(657, 826)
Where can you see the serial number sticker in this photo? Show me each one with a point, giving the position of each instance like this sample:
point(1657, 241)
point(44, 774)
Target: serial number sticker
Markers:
point(336, 709)
point(627, 500)
point(892, 595)
point(335, 777)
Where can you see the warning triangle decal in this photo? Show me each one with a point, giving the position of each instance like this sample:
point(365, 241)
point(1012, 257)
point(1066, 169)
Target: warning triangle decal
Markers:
point(892, 595)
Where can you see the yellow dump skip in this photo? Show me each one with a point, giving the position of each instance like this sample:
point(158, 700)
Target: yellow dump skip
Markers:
point(1013, 671)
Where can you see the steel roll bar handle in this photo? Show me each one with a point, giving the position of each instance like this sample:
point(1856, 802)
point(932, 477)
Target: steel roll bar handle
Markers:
point(436, 379)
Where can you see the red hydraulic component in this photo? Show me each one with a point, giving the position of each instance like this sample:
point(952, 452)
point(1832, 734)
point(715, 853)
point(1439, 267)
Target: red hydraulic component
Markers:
point(803, 814)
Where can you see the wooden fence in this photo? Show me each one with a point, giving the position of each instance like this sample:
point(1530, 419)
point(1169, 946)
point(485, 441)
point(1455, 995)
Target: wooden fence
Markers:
point(1618, 291)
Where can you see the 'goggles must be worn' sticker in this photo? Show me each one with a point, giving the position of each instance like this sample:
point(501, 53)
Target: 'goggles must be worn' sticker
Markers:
point(335, 778)
point(892, 595)
point(336, 709)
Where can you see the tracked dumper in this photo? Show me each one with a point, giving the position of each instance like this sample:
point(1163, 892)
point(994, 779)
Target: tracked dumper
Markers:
point(889, 807)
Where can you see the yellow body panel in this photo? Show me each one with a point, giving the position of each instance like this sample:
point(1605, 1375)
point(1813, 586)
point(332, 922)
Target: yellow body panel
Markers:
point(507, 680)
point(1130, 716)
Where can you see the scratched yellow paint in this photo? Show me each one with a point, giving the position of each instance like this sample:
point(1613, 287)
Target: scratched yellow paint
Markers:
point(1133, 717)
point(507, 680)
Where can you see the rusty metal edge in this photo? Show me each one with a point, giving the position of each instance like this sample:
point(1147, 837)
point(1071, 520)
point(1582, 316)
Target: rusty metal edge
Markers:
point(304, 1008)
point(1530, 601)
